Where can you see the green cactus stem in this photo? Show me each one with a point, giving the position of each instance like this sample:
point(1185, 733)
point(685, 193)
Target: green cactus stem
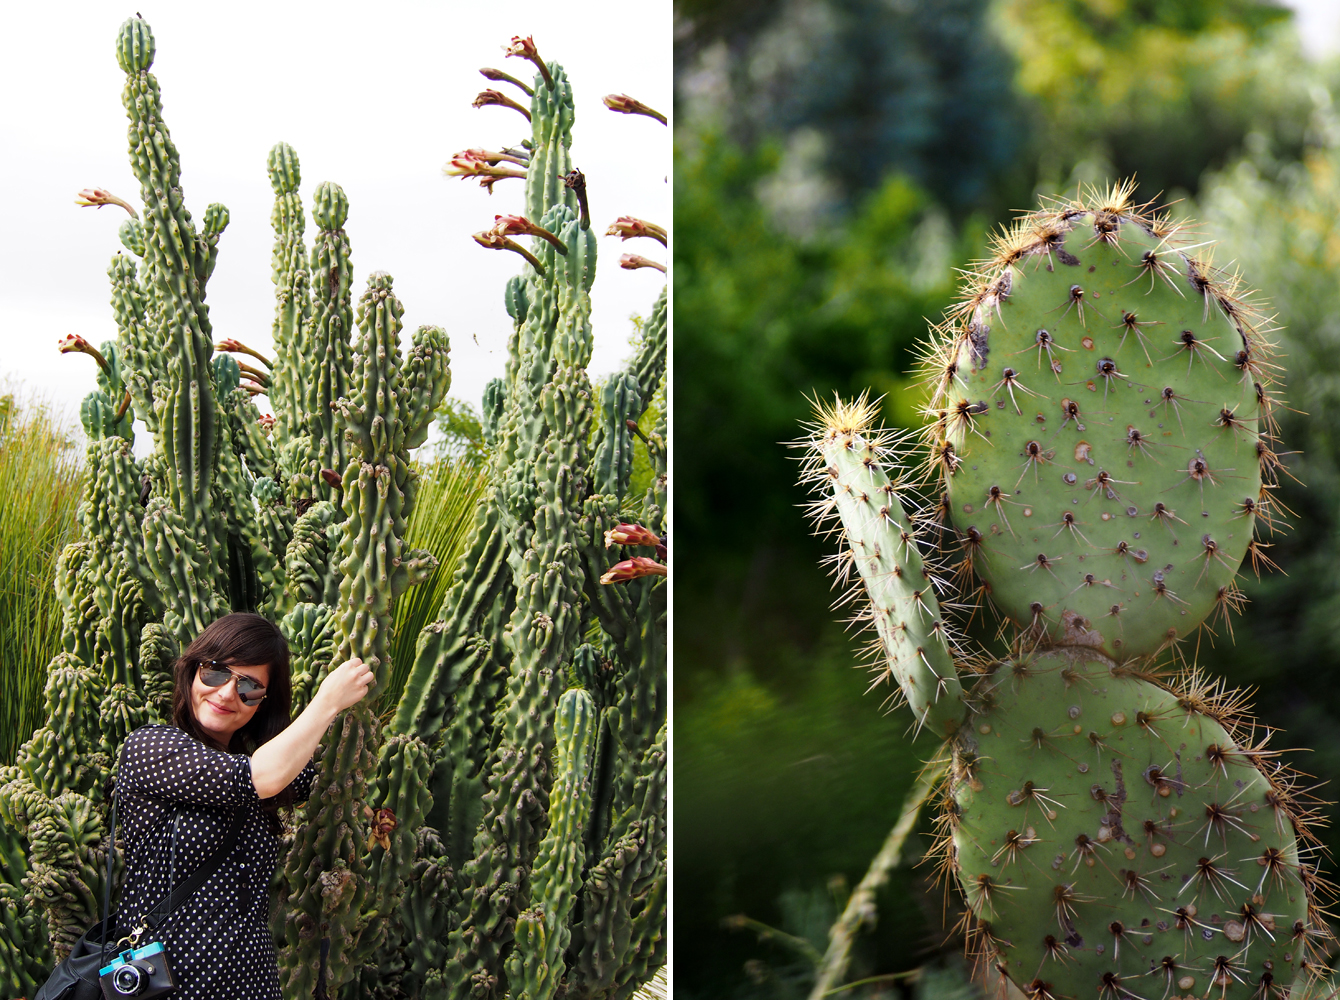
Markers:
point(536, 967)
point(386, 414)
point(290, 275)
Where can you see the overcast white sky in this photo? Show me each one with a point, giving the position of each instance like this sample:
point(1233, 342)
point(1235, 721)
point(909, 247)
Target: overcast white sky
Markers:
point(1318, 24)
point(374, 97)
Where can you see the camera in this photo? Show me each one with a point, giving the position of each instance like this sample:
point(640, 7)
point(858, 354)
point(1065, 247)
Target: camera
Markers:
point(141, 972)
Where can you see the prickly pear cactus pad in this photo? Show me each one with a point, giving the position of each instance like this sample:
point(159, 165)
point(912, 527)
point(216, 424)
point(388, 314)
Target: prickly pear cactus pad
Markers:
point(1116, 838)
point(849, 464)
point(1098, 407)
point(1098, 457)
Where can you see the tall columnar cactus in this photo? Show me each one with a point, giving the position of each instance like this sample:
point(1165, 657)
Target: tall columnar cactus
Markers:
point(492, 673)
point(1099, 452)
point(387, 415)
point(522, 781)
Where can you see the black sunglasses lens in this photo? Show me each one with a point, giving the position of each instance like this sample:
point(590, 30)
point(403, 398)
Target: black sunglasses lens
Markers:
point(250, 691)
point(214, 677)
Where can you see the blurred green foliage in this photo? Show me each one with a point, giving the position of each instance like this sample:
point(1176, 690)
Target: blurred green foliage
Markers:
point(835, 161)
point(1155, 89)
point(890, 86)
point(42, 469)
point(460, 434)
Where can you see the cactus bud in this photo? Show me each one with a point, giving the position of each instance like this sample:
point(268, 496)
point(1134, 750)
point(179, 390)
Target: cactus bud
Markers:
point(499, 76)
point(236, 346)
point(74, 342)
point(498, 99)
point(478, 163)
point(525, 48)
point(630, 228)
point(519, 225)
point(97, 197)
point(633, 261)
point(632, 569)
point(216, 219)
point(626, 105)
point(492, 241)
point(630, 534)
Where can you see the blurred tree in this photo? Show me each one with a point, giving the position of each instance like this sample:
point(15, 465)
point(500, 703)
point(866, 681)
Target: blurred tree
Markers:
point(919, 88)
point(1158, 89)
point(460, 434)
point(760, 321)
point(1277, 222)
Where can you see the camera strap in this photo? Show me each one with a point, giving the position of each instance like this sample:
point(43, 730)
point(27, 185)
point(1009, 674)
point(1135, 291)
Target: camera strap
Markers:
point(183, 890)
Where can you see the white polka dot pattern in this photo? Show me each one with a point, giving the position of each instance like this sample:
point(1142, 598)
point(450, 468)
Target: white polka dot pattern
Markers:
point(218, 940)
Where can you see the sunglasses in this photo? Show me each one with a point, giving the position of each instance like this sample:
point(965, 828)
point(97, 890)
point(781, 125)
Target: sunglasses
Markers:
point(214, 674)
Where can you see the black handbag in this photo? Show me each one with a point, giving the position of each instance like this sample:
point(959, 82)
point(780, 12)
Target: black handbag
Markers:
point(77, 977)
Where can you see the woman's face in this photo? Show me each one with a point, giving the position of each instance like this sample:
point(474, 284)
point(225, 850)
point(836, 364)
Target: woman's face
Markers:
point(219, 710)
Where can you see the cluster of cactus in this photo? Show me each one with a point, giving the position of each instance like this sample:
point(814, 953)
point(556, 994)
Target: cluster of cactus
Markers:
point(505, 833)
point(1097, 462)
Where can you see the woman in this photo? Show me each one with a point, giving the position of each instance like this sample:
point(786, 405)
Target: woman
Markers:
point(232, 695)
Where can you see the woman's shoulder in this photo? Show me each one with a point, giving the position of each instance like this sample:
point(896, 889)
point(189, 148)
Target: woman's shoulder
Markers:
point(158, 734)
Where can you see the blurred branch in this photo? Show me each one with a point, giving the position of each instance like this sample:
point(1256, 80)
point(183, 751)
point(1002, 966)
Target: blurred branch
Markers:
point(860, 909)
point(739, 922)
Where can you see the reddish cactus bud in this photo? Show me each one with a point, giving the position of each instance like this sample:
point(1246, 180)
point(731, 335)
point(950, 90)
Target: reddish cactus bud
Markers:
point(492, 158)
point(519, 225)
point(633, 261)
point(499, 99)
point(479, 163)
point(630, 228)
point(630, 534)
point(97, 197)
point(231, 346)
point(525, 48)
point(332, 479)
point(493, 241)
point(74, 342)
point(267, 421)
point(497, 75)
point(626, 105)
point(632, 569)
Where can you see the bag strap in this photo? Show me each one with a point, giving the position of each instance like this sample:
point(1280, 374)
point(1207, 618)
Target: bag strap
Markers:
point(107, 886)
point(183, 890)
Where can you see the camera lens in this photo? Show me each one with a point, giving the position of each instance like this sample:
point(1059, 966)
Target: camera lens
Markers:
point(128, 980)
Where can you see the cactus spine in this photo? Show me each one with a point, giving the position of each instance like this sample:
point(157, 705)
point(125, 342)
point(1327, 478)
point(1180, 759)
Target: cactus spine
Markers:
point(521, 781)
point(1099, 449)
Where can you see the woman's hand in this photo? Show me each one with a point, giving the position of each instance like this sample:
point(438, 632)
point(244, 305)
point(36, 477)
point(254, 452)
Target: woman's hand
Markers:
point(346, 685)
point(276, 763)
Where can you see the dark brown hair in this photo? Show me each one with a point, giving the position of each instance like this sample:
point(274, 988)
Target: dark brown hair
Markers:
point(248, 640)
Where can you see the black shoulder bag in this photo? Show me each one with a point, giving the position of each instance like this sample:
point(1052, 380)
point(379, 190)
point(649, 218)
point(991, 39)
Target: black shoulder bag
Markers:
point(76, 978)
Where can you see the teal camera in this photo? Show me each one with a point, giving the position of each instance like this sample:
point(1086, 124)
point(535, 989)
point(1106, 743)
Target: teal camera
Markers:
point(140, 972)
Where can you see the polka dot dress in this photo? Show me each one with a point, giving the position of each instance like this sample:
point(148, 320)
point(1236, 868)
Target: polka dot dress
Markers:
point(218, 940)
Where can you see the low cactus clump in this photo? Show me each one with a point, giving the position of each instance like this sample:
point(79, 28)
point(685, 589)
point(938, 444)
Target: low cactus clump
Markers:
point(505, 831)
point(1097, 463)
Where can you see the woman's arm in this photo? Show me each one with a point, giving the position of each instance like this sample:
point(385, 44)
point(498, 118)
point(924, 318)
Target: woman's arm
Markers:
point(276, 763)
